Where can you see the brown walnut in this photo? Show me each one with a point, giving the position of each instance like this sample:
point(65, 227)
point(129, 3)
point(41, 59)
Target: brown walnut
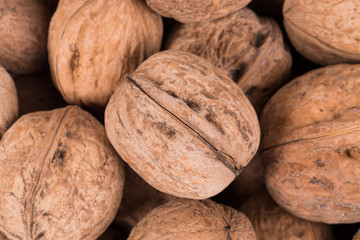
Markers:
point(324, 31)
point(23, 35)
point(311, 145)
point(357, 235)
point(60, 178)
point(93, 44)
point(182, 125)
point(249, 49)
point(193, 220)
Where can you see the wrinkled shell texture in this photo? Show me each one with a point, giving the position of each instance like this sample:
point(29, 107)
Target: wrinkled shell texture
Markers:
point(59, 177)
point(182, 125)
point(311, 145)
point(93, 44)
point(249, 49)
point(271, 222)
point(196, 10)
point(193, 220)
point(9, 101)
point(23, 33)
point(139, 198)
point(324, 31)
point(357, 236)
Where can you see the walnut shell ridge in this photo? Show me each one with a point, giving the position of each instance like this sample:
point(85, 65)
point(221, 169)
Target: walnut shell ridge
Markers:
point(60, 178)
point(324, 31)
point(9, 109)
point(182, 125)
point(196, 11)
point(193, 220)
point(93, 44)
point(23, 33)
point(311, 145)
point(248, 48)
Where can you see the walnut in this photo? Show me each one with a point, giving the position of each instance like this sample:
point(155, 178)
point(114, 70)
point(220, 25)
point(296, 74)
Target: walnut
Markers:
point(182, 125)
point(9, 101)
point(192, 220)
point(93, 44)
point(272, 222)
point(249, 49)
point(311, 145)
point(59, 177)
point(196, 11)
point(357, 236)
point(325, 32)
point(23, 33)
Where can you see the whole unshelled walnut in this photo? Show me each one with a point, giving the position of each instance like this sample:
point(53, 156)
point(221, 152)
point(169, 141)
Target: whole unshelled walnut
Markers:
point(182, 125)
point(311, 145)
point(60, 178)
point(23, 35)
point(249, 49)
point(324, 31)
point(9, 109)
point(185, 219)
point(93, 44)
point(196, 11)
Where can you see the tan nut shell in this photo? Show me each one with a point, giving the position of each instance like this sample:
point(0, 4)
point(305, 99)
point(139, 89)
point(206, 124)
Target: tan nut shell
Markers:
point(311, 145)
point(196, 11)
point(248, 48)
point(193, 220)
point(271, 222)
point(9, 109)
point(182, 125)
point(93, 44)
point(324, 31)
point(59, 177)
point(357, 235)
point(23, 35)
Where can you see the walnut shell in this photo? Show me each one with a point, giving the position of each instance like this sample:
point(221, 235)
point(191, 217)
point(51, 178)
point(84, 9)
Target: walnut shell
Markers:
point(23, 33)
point(182, 125)
point(93, 44)
point(311, 145)
point(249, 49)
point(193, 220)
point(9, 101)
point(59, 177)
point(271, 222)
point(324, 31)
point(357, 235)
point(196, 11)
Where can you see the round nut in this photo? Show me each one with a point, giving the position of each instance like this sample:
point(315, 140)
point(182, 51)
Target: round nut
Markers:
point(249, 49)
point(196, 11)
point(324, 31)
point(23, 33)
point(93, 44)
point(9, 101)
point(192, 220)
point(182, 125)
point(311, 145)
point(271, 222)
point(59, 177)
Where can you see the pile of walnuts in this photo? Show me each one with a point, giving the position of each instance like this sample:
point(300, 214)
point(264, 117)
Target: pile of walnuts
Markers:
point(214, 120)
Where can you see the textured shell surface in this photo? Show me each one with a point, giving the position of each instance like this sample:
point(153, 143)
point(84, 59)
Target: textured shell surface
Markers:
point(60, 178)
point(311, 145)
point(182, 125)
point(193, 220)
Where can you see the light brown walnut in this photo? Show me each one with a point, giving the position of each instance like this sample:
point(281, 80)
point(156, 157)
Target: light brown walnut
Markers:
point(193, 220)
point(93, 44)
point(182, 125)
point(311, 145)
point(59, 177)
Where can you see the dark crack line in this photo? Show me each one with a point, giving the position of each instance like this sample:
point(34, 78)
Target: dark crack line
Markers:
point(219, 154)
point(228, 226)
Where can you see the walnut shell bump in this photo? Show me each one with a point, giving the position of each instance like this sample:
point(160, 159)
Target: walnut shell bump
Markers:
point(182, 125)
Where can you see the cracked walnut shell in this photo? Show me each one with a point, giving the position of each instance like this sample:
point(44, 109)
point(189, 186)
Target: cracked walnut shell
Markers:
point(60, 178)
point(311, 145)
point(182, 125)
point(185, 219)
